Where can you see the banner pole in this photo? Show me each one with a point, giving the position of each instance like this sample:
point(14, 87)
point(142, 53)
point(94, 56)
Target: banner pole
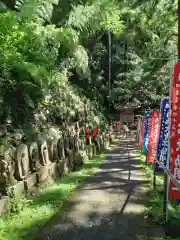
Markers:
point(146, 159)
point(154, 176)
point(166, 176)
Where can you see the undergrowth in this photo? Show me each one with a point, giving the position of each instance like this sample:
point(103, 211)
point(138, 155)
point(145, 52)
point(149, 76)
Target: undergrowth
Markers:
point(156, 198)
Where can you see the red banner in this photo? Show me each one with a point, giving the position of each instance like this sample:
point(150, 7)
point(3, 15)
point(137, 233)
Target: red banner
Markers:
point(175, 133)
point(154, 135)
point(141, 136)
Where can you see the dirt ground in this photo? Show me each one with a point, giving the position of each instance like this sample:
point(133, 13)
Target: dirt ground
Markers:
point(110, 205)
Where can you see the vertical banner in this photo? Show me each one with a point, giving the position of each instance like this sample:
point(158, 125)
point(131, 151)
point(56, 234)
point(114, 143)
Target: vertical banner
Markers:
point(138, 129)
point(175, 133)
point(162, 152)
point(154, 135)
point(146, 131)
point(141, 133)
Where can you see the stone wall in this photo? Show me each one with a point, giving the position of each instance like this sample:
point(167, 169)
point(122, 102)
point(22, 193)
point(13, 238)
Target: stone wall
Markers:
point(35, 164)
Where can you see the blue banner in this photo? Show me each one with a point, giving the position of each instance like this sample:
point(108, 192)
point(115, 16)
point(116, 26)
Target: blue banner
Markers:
point(162, 152)
point(146, 131)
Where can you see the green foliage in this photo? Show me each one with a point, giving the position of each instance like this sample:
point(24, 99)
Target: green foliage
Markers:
point(48, 47)
point(155, 209)
point(38, 58)
point(17, 205)
point(151, 34)
point(141, 56)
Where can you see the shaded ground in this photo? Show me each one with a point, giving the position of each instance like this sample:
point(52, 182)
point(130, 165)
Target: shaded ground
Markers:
point(110, 205)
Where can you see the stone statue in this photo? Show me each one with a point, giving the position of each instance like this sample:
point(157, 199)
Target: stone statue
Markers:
point(66, 145)
point(22, 162)
point(77, 126)
point(77, 143)
point(72, 130)
point(44, 154)
point(60, 147)
point(34, 157)
point(82, 142)
point(53, 151)
point(7, 168)
point(71, 142)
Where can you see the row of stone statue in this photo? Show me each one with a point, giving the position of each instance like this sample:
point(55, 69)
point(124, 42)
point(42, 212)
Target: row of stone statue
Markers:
point(36, 163)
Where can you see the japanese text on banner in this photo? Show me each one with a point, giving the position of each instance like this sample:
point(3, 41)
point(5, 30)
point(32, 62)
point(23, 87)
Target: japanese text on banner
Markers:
point(146, 131)
point(175, 133)
point(154, 136)
point(162, 152)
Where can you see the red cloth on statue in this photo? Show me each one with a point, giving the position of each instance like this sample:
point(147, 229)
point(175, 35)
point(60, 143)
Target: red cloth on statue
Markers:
point(95, 133)
point(87, 132)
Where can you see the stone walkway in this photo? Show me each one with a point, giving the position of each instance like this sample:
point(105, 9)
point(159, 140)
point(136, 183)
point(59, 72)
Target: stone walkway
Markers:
point(110, 205)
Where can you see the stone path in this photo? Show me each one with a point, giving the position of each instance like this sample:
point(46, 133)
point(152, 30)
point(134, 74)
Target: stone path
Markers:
point(110, 205)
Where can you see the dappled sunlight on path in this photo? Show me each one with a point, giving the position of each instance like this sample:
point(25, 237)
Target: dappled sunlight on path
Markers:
point(110, 205)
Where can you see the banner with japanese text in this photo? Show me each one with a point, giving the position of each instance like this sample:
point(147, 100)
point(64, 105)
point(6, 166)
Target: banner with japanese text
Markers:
point(175, 133)
point(146, 131)
point(141, 135)
point(154, 135)
point(162, 151)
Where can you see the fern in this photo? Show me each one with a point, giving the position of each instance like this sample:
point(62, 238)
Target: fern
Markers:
point(38, 11)
point(3, 7)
